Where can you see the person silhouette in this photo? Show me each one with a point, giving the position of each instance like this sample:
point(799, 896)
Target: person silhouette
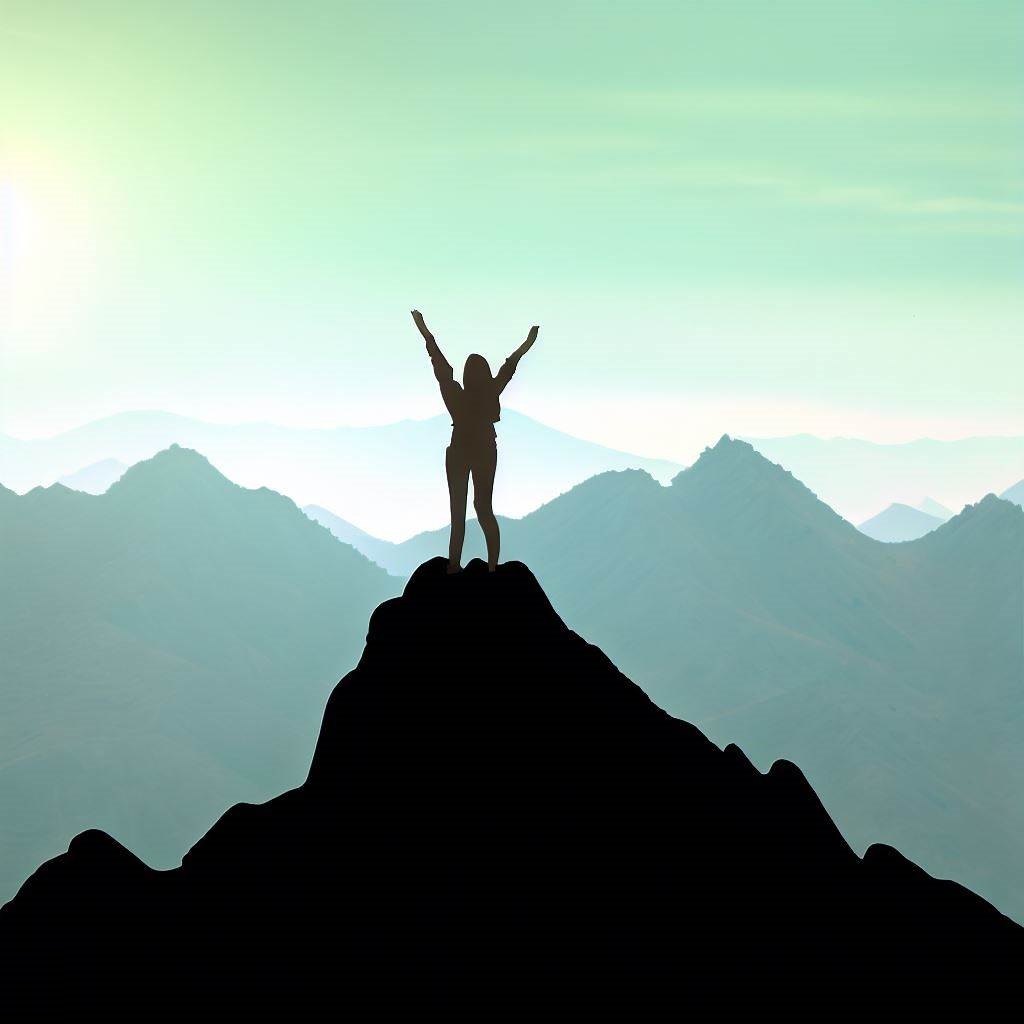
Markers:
point(474, 409)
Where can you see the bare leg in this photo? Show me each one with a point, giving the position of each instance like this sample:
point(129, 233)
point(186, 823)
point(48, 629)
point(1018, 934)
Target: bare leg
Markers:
point(484, 465)
point(458, 488)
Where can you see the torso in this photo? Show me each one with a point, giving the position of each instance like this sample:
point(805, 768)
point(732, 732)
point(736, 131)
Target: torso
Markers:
point(469, 430)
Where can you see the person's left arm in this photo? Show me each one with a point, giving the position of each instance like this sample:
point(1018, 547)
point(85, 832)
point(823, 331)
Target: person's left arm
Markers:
point(508, 368)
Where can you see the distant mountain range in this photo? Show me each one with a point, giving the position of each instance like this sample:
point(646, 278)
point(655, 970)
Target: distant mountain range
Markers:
point(167, 649)
point(857, 478)
point(492, 806)
point(900, 523)
point(387, 479)
point(894, 675)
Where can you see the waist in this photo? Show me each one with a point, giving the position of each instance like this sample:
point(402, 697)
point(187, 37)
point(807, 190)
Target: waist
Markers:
point(474, 435)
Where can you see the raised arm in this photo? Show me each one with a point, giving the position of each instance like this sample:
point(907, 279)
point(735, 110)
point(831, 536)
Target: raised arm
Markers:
point(509, 366)
point(442, 368)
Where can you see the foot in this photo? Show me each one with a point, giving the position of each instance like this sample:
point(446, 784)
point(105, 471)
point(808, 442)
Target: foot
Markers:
point(491, 567)
point(453, 568)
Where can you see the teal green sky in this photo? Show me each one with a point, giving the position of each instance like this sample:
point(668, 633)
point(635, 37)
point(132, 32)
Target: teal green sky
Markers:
point(755, 217)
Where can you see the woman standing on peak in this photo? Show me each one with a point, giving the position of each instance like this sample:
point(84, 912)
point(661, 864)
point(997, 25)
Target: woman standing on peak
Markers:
point(474, 409)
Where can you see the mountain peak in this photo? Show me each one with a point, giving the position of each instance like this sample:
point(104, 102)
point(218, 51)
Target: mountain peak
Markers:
point(991, 508)
point(56, 497)
point(734, 454)
point(732, 475)
point(172, 468)
point(981, 525)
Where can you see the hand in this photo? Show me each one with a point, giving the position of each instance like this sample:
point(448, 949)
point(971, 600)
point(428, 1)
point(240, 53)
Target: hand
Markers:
point(533, 332)
point(417, 316)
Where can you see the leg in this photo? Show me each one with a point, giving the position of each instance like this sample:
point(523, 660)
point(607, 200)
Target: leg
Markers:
point(458, 488)
point(484, 465)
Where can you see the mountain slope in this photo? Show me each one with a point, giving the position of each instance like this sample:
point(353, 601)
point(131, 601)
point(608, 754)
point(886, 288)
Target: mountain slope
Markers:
point(491, 802)
point(891, 674)
point(167, 642)
point(387, 479)
point(899, 523)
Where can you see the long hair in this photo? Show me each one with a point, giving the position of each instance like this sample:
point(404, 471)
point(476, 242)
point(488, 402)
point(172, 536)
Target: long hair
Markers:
point(480, 389)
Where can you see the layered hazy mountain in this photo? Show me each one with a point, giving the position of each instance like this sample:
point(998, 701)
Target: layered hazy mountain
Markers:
point(857, 478)
point(893, 674)
point(931, 507)
point(388, 480)
point(1015, 493)
point(95, 478)
point(167, 650)
point(900, 523)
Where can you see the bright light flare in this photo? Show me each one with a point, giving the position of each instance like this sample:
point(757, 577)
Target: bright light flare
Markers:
point(48, 257)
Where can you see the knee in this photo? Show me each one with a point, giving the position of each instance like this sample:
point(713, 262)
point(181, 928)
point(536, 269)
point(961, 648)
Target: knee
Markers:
point(483, 508)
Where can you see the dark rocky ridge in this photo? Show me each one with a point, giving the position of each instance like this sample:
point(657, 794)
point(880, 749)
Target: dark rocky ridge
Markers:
point(491, 799)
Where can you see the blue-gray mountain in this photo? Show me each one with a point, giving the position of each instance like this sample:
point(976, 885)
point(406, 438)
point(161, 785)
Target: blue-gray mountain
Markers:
point(893, 674)
point(167, 650)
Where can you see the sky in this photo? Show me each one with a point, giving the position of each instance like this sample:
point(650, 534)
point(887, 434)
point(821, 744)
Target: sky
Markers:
point(731, 216)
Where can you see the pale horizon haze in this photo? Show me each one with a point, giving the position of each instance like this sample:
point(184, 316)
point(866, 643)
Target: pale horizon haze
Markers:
point(744, 218)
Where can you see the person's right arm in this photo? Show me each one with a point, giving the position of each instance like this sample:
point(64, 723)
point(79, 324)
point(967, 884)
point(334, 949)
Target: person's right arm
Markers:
point(442, 368)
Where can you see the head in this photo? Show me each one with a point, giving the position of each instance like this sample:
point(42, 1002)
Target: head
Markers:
point(479, 386)
point(476, 374)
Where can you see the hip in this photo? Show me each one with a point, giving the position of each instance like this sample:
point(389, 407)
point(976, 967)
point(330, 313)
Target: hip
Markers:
point(471, 452)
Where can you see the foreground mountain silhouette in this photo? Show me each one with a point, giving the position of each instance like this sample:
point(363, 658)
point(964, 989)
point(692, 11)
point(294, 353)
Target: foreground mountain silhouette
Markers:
point(490, 799)
point(739, 601)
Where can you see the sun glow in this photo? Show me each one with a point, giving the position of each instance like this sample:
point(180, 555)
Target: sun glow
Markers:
point(48, 257)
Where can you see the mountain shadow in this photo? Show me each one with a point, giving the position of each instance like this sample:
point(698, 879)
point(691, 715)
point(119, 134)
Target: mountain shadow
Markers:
point(491, 801)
